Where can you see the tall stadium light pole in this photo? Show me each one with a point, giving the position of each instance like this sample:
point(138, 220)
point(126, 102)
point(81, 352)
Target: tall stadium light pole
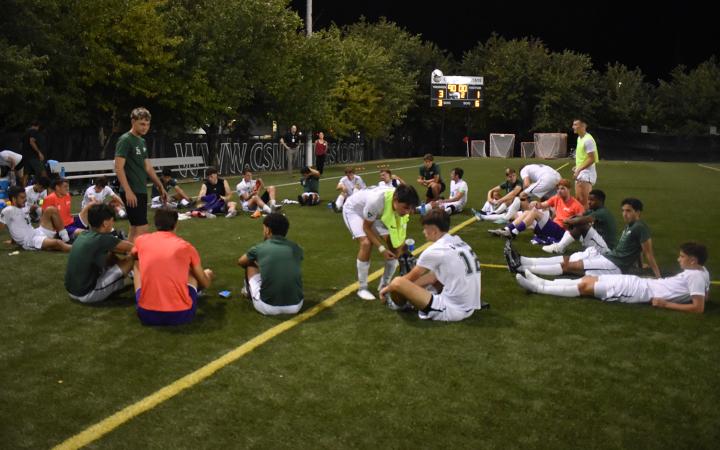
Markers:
point(308, 27)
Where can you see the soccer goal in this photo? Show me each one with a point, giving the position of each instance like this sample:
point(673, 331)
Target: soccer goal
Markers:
point(477, 148)
point(502, 145)
point(527, 149)
point(550, 145)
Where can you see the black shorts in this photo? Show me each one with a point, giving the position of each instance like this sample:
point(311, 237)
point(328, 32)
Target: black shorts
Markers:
point(33, 166)
point(265, 197)
point(21, 165)
point(430, 194)
point(137, 216)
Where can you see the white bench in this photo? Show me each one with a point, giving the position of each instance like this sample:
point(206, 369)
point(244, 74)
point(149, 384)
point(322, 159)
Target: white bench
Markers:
point(107, 167)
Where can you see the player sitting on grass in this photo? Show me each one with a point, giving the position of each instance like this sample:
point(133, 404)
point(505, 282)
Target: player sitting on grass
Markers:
point(248, 191)
point(60, 202)
point(311, 186)
point(273, 276)
point(35, 196)
point(93, 271)
point(499, 206)
point(176, 195)
point(430, 178)
point(214, 196)
point(348, 185)
point(686, 291)
point(595, 228)
point(449, 267)
point(387, 179)
point(167, 274)
point(23, 234)
point(634, 239)
point(100, 192)
point(458, 195)
point(538, 215)
point(379, 217)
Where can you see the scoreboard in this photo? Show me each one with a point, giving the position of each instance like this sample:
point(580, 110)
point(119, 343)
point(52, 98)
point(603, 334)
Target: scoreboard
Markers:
point(455, 91)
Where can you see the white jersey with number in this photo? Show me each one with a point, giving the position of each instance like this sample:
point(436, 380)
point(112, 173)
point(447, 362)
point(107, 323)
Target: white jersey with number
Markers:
point(455, 265)
point(457, 187)
point(18, 224)
point(245, 189)
point(681, 287)
point(353, 185)
point(33, 198)
point(92, 195)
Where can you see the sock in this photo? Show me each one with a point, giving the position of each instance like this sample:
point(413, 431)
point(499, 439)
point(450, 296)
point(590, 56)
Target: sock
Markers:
point(494, 217)
point(513, 209)
point(340, 201)
point(272, 202)
point(501, 209)
point(510, 227)
point(601, 289)
point(593, 239)
point(390, 267)
point(363, 270)
point(559, 289)
point(519, 228)
point(266, 209)
point(64, 235)
point(525, 261)
point(547, 269)
point(566, 240)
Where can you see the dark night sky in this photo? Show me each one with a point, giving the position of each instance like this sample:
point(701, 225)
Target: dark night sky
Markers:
point(652, 38)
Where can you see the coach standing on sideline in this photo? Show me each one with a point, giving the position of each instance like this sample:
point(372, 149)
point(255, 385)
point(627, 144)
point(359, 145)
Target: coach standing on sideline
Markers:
point(291, 142)
point(133, 168)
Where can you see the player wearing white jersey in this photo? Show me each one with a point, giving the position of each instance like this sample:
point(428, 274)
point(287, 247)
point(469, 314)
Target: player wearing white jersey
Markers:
point(449, 266)
point(248, 190)
point(387, 179)
point(379, 217)
point(686, 291)
point(100, 192)
point(35, 195)
point(539, 180)
point(348, 185)
point(22, 233)
point(458, 195)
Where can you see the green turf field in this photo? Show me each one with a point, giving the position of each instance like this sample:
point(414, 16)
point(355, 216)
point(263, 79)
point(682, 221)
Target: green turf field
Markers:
point(531, 372)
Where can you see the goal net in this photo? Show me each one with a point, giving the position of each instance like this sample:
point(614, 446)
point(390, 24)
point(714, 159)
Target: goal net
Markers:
point(550, 145)
point(527, 149)
point(477, 148)
point(502, 145)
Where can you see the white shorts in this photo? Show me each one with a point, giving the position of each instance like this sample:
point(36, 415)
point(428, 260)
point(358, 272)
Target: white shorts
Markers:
point(354, 223)
point(588, 175)
point(156, 203)
point(111, 280)
point(543, 186)
point(246, 206)
point(262, 307)
point(624, 288)
point(458, 206)
point(35, 241)
point(594, 263)
point(443, 311)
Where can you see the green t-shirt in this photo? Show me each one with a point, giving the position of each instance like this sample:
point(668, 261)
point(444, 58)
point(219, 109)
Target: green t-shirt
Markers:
point(279, 261)
point(604, 224)
point(134, 150)
point(509, 186)
point(429, 174)
point(87, 260)
point(311, 184)
point(627, 251)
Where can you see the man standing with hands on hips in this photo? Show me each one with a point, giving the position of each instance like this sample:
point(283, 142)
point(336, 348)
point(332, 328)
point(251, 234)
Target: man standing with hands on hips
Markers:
point(133, 168)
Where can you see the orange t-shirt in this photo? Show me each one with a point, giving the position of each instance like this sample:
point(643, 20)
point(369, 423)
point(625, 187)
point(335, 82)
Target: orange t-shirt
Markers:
point(565, 209)
point(165, 260)
point(63, 205)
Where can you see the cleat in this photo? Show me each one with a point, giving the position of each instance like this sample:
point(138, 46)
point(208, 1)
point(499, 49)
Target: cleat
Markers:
point(365, 294)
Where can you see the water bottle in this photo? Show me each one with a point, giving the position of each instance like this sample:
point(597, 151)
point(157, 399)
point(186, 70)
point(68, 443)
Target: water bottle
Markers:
point(62, 171)
point(407, 260)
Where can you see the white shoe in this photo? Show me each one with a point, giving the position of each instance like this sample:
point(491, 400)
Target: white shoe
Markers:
point(365, 294)
point(122, 214)
point(525, 283)
point(232, 213)
point(552, 248)
point(209, 215)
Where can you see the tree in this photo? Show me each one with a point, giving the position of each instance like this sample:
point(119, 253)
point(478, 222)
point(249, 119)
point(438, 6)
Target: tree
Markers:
point(624, 97)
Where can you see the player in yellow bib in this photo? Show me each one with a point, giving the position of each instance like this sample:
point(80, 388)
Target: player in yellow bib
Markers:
point(586, 158)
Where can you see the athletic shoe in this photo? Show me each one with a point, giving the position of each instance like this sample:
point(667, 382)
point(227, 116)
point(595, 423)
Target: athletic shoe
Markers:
point(478, 214)
point(525, 283)
point(301, 200)
point(421, 210)
point(231, 214)
point(276, 208)
point(502, 232)
point(257, 214)
point(511, 257)
point(365, 294)
point(500, 222)
point(553, 248)
point(210, 215)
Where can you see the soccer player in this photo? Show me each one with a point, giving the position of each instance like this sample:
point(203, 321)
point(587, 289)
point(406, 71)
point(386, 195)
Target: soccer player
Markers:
point(348, 185)
point(387, 179)
point(22, 233)
point(133, 169)
point(93, 271)
point(248, 191)
point(273, 275)
point(500, 203)
point(14, 162)
point(378, 217)
point(215, 195)
point(565, 205)
point(450, 264)
point(311, 187)
point(176, 195)
point(168, 274)
point(635, 238)
point(430, 178)
point(99, 192)
point(458, 195)
point(686, 291)
point(35, 196)
point(60, 201)
point(586, 158)
point(539, 180)
point(596, 227)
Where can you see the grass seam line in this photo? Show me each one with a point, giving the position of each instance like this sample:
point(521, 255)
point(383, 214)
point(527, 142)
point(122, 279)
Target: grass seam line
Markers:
point(709, 167)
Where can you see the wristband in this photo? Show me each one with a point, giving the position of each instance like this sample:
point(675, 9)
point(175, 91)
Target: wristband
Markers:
point(382, 249)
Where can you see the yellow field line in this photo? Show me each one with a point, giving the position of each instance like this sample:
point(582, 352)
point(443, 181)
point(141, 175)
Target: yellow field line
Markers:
point(105, 426)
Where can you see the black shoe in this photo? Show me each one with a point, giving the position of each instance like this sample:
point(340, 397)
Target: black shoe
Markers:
point(511, 257)
point(300, 200)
